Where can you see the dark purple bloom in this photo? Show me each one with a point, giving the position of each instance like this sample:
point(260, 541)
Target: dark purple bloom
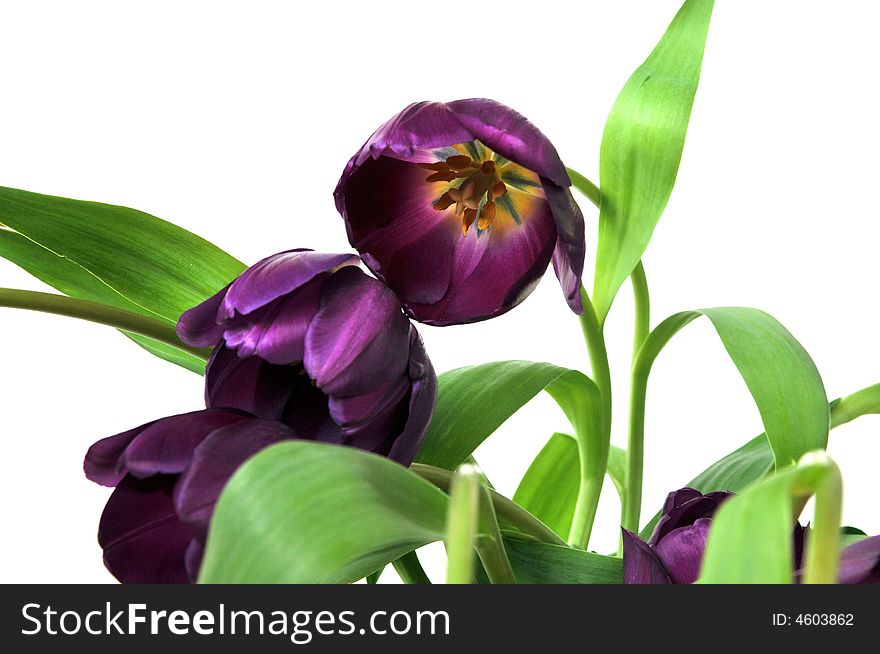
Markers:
point(459, 207)
point(168, 476)
point(306, 346)
point(309, 340)
point(674, 551)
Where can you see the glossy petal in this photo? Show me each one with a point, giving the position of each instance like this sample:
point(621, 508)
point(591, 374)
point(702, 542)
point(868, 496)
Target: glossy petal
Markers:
point(101, 463)
point(360, 337)
point(390, 220)
point(199, 326)
point(640, 564)
point(511, 135)
point(143, 541)
point(568, 257)
point(860, 562)
point(166, 446)
point(422, 399)
point(277, 331)
point(214, 462)
point(681, 551)
point(275, 276)
point(684, 507)
point(251, 385)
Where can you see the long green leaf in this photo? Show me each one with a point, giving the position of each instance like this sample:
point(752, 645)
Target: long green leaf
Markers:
point(642, 145)
point(475, 401)
point(750, 540)
point(780, 375)
point(307, 512)
point(114, 255)
point(540, 563)
point(549, 488)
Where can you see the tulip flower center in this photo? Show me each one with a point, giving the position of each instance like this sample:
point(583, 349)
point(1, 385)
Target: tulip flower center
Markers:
point(476, 182)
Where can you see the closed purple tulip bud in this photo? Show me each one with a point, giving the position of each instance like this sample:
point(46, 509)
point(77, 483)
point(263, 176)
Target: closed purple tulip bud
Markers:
point(459, 207)
point(674, 551)
point(308, 339)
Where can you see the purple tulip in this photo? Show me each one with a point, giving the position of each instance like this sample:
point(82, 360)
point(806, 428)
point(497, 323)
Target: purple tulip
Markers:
point(674, 552)
point(309, 340)
point(168, 476)
point(459, 207)
point(306, 346)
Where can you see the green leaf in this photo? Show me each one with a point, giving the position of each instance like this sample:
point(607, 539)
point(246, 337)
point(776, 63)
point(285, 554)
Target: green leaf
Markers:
point(540, 563)
point(308, 512)
point(750, 540)
point(642, 145)
point(475, 401)
point(549, 489)
point(114, 255)
point(780, 375)
point(373, 577)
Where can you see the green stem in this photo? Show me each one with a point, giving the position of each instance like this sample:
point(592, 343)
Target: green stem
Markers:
point(95, 312)
point(490, 545)
point(823, 542)
point(505, 509)
point(858, 404)
point(592, 472)
point(642, 308)
point(585, 186)
point(462, 521)
point(410, 569)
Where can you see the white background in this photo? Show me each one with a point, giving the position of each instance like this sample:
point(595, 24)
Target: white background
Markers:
point(235, 120)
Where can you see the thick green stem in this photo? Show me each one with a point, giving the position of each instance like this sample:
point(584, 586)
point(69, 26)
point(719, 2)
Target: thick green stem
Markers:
point(505, 509)
point(593, 462)
point(99, 313)
point(822, 554)
point(490, 545)
point(410, 569)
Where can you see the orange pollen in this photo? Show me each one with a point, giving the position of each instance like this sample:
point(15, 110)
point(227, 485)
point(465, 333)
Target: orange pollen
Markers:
point(480, 186)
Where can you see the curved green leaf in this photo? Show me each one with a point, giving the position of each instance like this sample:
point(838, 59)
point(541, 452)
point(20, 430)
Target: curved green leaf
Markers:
point(780, 375)
point(114, 255)
point(475, 401)
point(642, 145)
point(750, 540)
point(540, 563)
point(308, 512)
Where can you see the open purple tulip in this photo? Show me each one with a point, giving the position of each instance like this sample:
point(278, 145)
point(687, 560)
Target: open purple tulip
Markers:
point(459, 207)
point(309, 340)
point(306, 346)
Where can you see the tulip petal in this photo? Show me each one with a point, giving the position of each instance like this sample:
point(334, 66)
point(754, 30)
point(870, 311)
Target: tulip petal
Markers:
point(404, 241)
point(568, 257)
point(214, 462)
point(275, 276)
point(860, 562)
point(511, 135)
point(684, 507)
point(420, 126)
point(359, 338)
point(277, 331)
point(101, 463)
point(495, 271)
point(309, 412)
point(166, 446)
point(143, 541)
point(422, 400)
point(640, 564)
point(681, 551)
point(252, 385)
point(200, 326)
